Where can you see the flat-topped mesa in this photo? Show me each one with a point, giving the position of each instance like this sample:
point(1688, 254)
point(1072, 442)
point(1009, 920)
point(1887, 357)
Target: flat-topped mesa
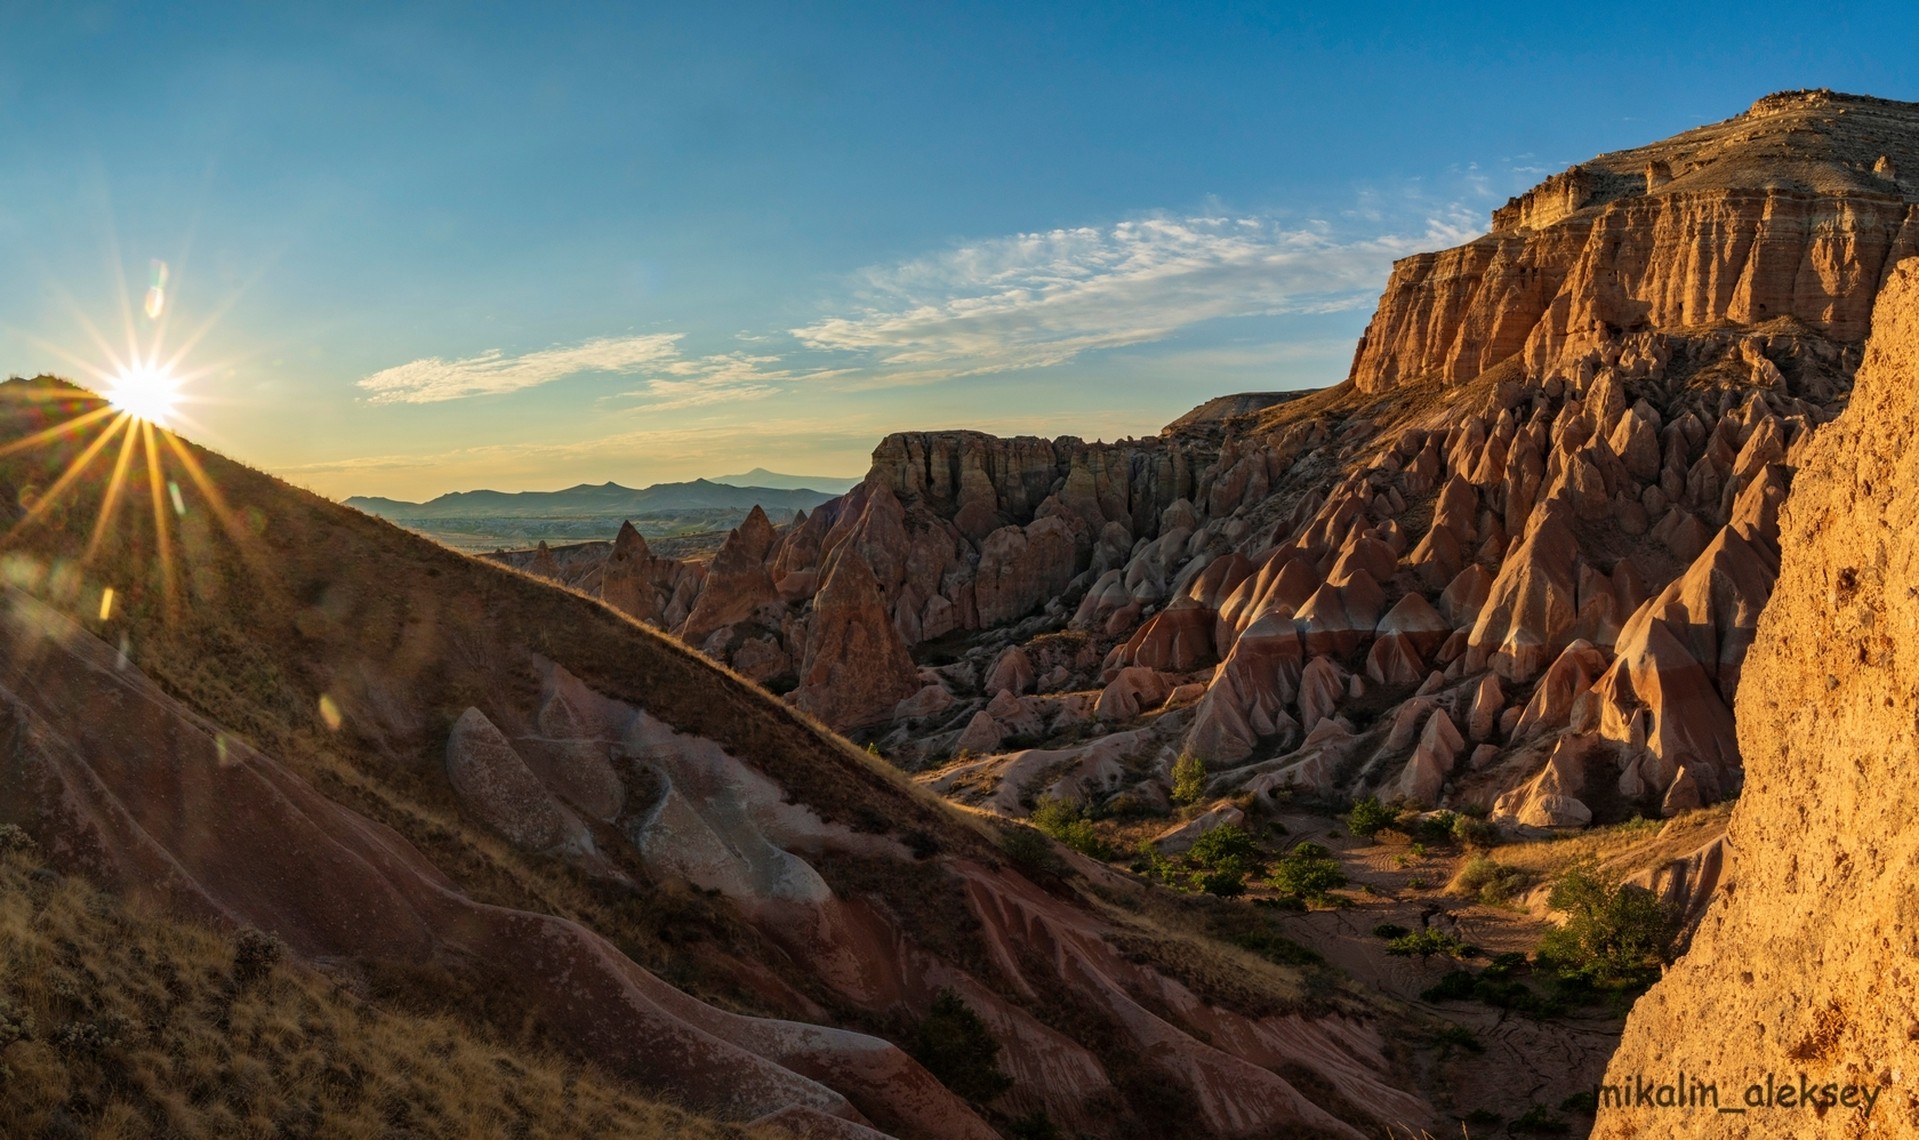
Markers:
point(1793, 209)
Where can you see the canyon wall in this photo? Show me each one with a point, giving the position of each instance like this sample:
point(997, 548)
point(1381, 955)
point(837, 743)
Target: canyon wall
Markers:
point(1804, 971)
point(1513, 565)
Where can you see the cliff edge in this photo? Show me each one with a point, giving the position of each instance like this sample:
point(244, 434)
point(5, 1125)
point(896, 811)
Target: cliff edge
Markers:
point(1803, 975)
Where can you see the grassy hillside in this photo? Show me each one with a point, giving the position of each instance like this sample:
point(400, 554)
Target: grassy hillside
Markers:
point(117, 1023)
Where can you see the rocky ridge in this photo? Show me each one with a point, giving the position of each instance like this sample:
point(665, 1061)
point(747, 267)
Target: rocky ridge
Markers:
point(1513, 563)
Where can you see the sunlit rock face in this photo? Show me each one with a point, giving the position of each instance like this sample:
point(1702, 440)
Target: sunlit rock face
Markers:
point(1545, 505)
point(1803, 966)
point(1783, 212)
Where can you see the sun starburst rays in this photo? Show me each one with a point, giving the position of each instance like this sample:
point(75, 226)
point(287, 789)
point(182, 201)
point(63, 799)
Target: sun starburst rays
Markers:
point(77, 461)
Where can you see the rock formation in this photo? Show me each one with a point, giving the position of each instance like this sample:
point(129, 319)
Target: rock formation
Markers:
point(1801, 969)
point(1544, 503)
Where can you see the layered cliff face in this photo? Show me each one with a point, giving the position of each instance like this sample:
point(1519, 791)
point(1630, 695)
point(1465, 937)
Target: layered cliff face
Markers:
point(1801, 974)
point(1794, 209)
point(1513, 564)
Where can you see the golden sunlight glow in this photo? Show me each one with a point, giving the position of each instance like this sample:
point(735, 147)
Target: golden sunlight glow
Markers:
point(145, 392)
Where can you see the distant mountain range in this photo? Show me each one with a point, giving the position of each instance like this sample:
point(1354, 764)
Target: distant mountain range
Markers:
point(761, 477)
point(591, 501)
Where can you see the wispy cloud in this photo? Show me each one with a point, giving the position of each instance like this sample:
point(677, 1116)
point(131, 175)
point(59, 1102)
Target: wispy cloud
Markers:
point(716, 379)
point(1040, 299)
point(493, 372)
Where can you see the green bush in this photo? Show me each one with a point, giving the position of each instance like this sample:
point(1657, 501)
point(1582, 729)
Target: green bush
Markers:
point(1227, 878)
point(1615, 934)
point(1189, 779)
point(1308, 872)
point(1471, 832)
point(1031, 851)
point(1368, 817)
point(1426, 943)
point(1225, 858)
point(1067, 822)
point(1227, 841)
point(955, 1046)
point(1457, 985)
point(1490, 882)
point(1436, 828)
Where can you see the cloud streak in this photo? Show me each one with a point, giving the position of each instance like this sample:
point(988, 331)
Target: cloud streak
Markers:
point(1041, 299)
point(492, 372)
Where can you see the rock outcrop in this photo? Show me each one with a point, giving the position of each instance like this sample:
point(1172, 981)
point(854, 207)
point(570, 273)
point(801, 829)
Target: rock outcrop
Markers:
point(1545, 504)
point(1802, 970)
point(1800, 228)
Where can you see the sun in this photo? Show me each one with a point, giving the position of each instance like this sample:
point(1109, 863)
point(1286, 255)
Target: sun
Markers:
point(145, 392)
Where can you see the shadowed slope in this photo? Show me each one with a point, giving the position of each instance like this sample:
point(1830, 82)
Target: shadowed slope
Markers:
point(460, 784)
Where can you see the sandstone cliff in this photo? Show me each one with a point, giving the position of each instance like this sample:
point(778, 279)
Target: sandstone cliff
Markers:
point(1541, 517)
point(1802, 970)
point(1778, 212)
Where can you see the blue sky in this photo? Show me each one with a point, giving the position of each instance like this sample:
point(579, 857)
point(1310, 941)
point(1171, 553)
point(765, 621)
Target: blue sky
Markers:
point(435, 248)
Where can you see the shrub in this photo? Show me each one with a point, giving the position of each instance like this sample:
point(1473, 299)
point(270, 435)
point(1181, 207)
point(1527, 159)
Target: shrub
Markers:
point(1030, 851)
point(255, 953)
point(1224, 858)
point(1227, 841)
point(1227, 878)
point(1308, 871)
point(14, 838)
point(15, 1024)
point(1426, 943)
point(1066, 821)
point(1189, 779)
point(1435, 828)
point(1615, 934)
point(955, 1046)
point(1457, 985)
point(1390, 930)
point(1490, 882)
point(1470, 832)
point(1368, 817)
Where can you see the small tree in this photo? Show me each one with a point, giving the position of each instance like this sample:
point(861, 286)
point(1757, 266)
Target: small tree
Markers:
point(1615, 933)
point(1226, 856)
point(1308, 871)
point(1189, 778)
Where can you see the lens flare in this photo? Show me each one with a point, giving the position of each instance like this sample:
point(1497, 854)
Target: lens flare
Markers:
point(157, 291)
point(146, 393)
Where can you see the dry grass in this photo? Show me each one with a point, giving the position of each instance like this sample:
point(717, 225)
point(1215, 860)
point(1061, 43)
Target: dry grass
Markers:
point(115, 1023)
point(1623, 848)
